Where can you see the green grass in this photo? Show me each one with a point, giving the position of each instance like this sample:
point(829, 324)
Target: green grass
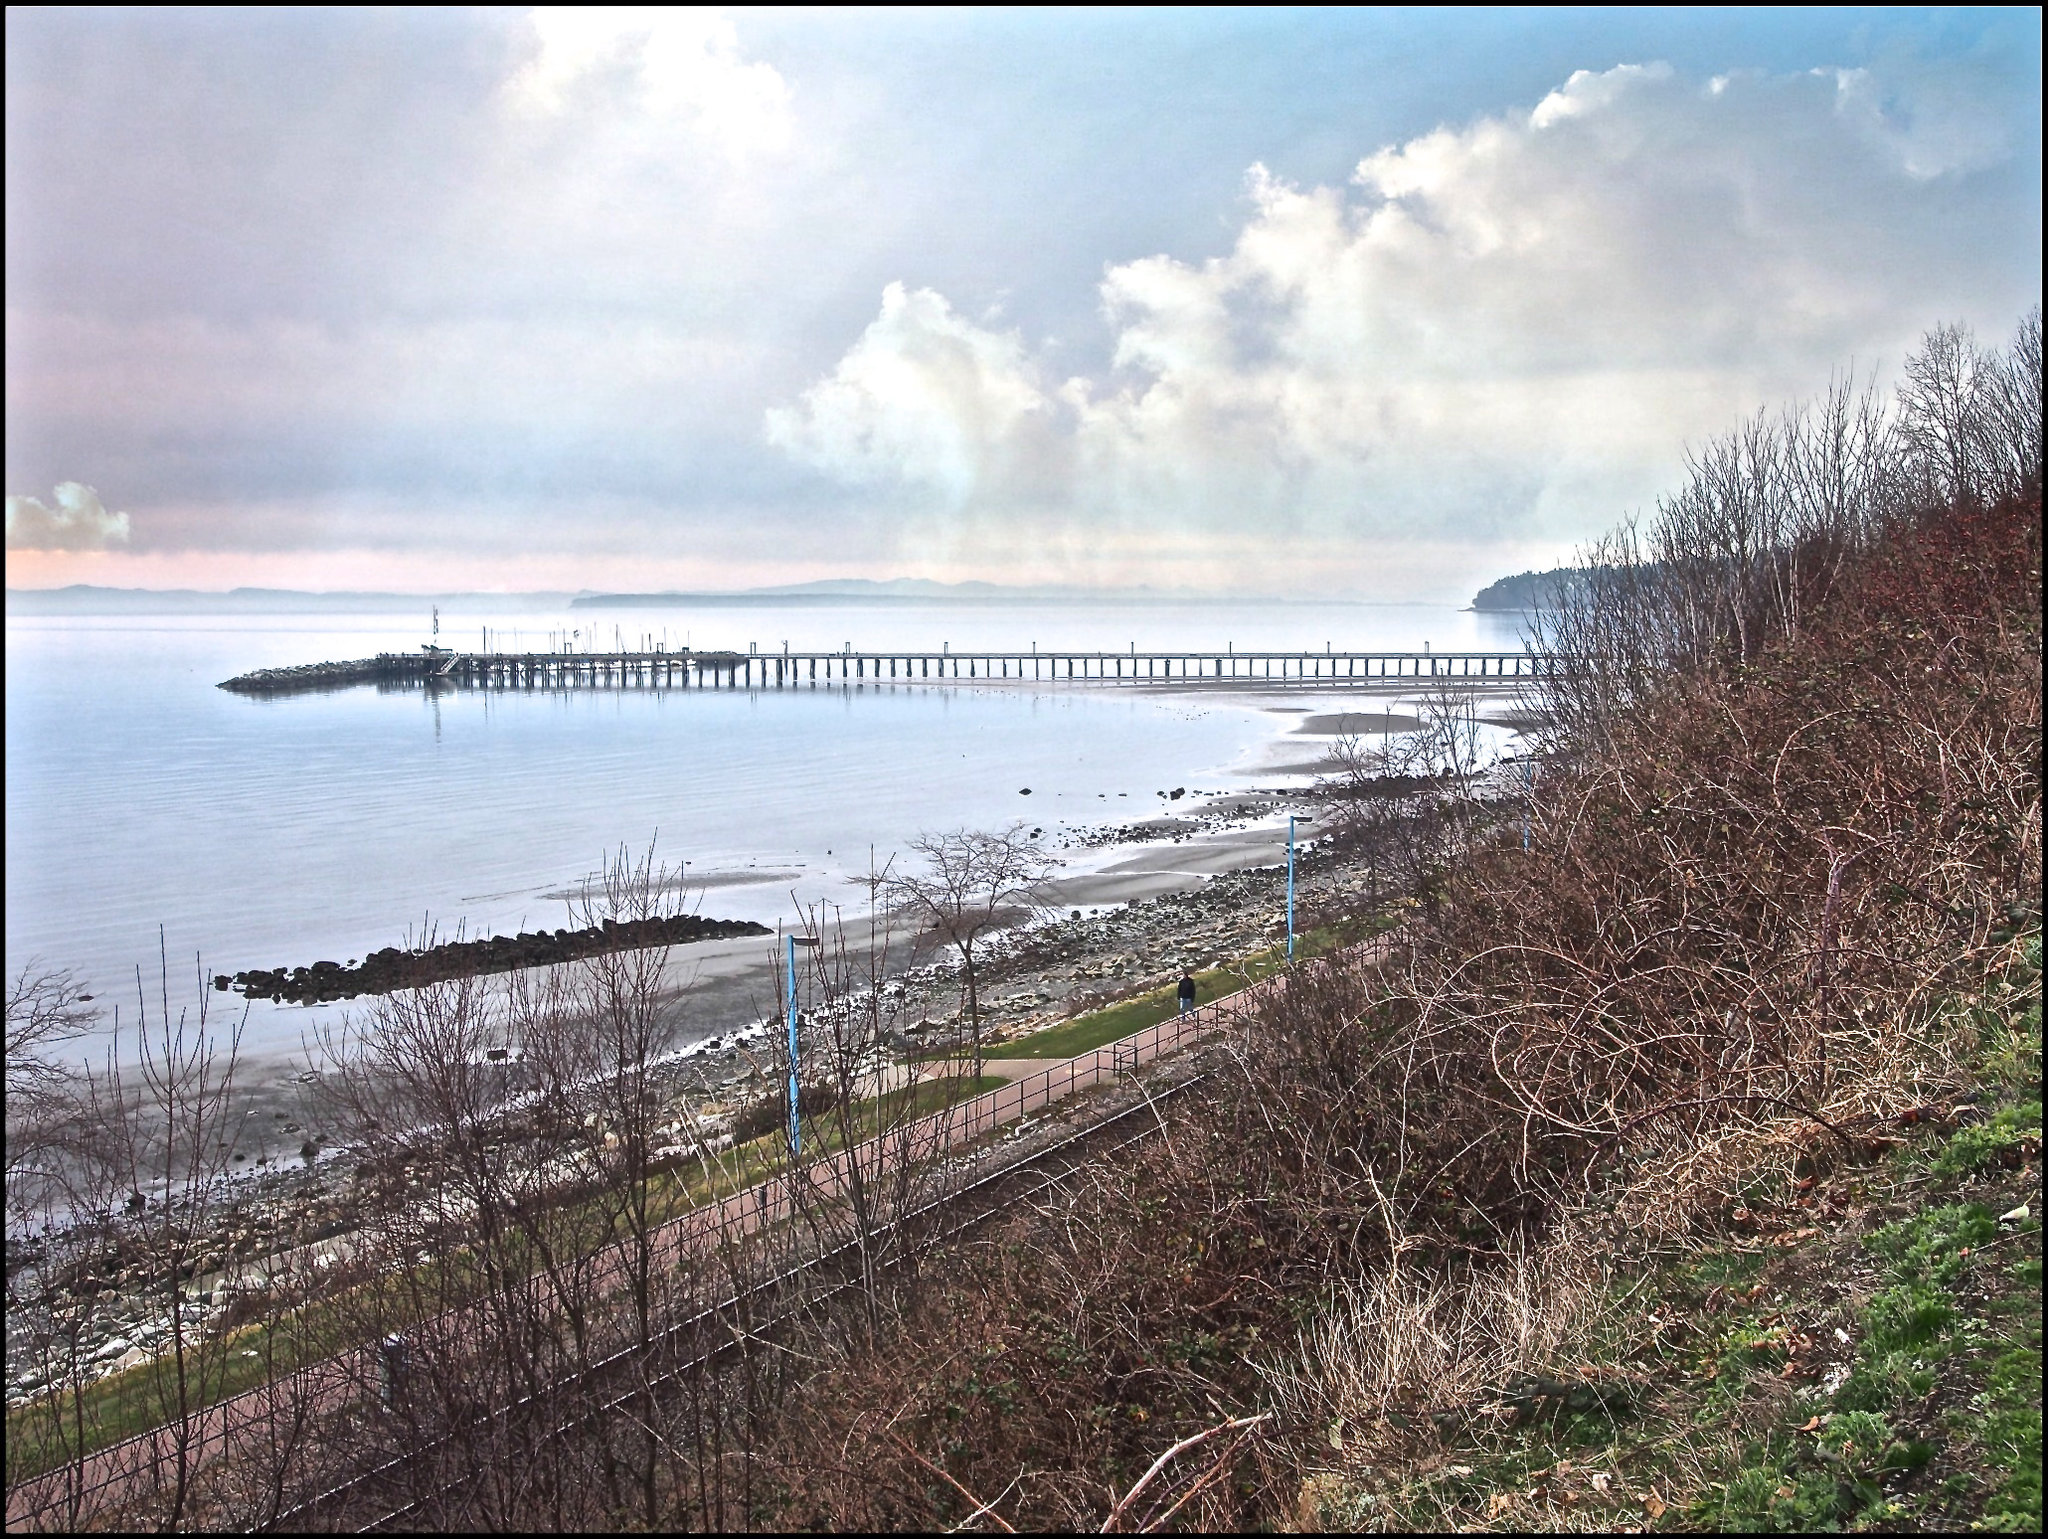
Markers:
point(124, 1404)
point(1112, 1023)
point(822, 1135)
point(1867, 1359)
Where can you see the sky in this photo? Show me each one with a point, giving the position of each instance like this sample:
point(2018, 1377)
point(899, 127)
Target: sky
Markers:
point(1367, 304)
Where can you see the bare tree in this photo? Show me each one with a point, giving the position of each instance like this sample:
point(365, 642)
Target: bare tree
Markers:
point(2015, 408)
point(517, 1155)
point(970, 883)
point(885, 1164)
point(1946, 409)
point(46, 1007)
point(1769, 513)
point(1407, 800)
point(138, 1194)
point(1447, 745)
point(618, 1028)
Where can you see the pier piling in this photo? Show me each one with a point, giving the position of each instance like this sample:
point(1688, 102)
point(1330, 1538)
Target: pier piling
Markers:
point(664, 669)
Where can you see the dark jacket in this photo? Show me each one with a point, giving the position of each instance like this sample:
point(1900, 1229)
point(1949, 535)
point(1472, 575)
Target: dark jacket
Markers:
point(1187, 988)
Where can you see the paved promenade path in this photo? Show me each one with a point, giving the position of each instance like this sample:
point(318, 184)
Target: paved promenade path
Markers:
point(141, 1477)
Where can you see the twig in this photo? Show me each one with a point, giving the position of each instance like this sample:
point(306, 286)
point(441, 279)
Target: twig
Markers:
point(981, 1508)
point(1218, 1467)
point(1116, 1512)
point(986, 1509)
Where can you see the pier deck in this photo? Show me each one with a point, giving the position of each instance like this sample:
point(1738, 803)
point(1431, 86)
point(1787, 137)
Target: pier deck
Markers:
point(682, 669)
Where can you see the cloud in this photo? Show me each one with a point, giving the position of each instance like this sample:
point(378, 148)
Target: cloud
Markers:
point(77, 522)
point(1498, 332)
point(925, 398)
point(677, 64)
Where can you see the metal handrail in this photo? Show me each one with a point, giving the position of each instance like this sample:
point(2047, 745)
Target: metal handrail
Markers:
point(740, 1216)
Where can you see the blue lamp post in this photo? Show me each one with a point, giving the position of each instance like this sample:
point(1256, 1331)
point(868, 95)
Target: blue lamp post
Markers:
point(1291, 821)
point(795, 1137)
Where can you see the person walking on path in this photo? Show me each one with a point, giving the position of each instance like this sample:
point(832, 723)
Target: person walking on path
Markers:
point(1187, 992)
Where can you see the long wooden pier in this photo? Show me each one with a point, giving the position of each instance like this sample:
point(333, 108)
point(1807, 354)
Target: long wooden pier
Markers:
point(684, 669)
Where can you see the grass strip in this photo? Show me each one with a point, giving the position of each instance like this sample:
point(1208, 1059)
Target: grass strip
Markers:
point(1112, 1023)
point(133, 1401)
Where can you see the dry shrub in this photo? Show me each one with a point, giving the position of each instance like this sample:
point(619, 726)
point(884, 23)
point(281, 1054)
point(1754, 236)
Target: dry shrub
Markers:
point(1416, 1344)
point(1403, 1354)
point(1735, 945)
point(1054, 1360)
point(1733, 948)
point(1754, 910)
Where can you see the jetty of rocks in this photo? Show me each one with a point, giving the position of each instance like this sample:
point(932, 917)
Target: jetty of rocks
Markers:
point(391, 968)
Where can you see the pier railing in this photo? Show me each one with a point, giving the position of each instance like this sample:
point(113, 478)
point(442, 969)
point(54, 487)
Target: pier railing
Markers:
point(131, 1479)
point(683, 669)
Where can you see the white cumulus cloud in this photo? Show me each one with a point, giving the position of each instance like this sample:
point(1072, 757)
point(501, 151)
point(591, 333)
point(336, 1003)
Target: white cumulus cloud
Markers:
point(928, 399)
point(77, 522)
point(1498, 332)
point(675, 63)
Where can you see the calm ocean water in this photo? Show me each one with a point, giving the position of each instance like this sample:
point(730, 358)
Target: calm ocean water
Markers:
point(277, 832)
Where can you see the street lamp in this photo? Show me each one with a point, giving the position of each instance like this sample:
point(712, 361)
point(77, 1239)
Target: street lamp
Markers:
point(1528, 797)
point(795, 1138)
point(1291, 821)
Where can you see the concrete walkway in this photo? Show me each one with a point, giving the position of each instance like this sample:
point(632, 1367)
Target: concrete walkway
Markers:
point(127, 1477)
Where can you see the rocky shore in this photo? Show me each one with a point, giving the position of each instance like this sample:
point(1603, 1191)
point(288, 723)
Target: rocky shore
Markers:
point(391, 968)
point(302, 1193)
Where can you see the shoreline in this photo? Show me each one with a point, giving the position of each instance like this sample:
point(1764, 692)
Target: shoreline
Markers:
point(1280, 756)
point(1117, 939)
point(1192, 882)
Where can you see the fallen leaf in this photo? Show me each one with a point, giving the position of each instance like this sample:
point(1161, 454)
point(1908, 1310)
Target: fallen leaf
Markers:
point(1786, 1493)
point(1812, 1424)
point(1653, 1506)
point(1497, 1503)
point(1602, 1480)
point(1459, 1469)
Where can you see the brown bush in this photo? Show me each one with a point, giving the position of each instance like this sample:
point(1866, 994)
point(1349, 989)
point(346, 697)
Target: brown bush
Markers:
point(1751, 902)
point(1731, 941)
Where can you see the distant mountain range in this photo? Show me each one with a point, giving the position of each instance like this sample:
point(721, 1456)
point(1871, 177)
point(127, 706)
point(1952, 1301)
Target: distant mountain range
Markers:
point(83, 598)
point(87, 599)
point(888, 590)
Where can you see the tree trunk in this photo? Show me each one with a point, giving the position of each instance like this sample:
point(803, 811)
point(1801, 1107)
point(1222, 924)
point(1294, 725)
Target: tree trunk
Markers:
point(973, 1005)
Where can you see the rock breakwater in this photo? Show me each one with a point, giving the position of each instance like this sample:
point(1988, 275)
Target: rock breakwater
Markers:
point(392, 968)
point(315, 676)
